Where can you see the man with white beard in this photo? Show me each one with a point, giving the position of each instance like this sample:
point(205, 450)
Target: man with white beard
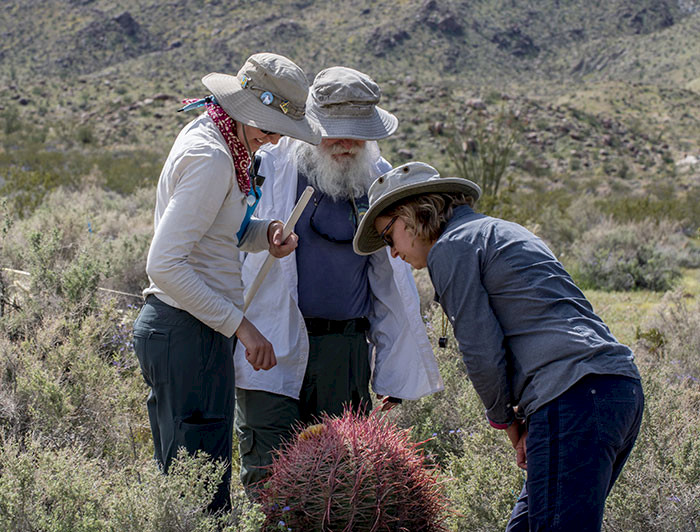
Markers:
point(339, 320)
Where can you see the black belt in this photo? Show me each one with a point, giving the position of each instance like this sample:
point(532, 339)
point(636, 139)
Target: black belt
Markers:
point(319, 326)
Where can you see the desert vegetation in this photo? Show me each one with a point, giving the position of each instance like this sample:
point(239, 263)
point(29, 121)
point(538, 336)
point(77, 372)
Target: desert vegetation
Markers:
point(76, 448)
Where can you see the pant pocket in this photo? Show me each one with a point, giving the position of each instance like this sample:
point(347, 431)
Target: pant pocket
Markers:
point(616, 414)
point(246, 440)
point(153, 351)
point(210, 435)
point(253, 464)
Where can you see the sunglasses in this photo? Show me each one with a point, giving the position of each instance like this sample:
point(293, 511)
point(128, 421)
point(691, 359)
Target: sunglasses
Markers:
point(387, 238)
point(270, 133)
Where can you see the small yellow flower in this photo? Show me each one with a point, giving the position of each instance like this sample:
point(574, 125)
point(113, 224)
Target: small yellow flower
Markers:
point(311, 431)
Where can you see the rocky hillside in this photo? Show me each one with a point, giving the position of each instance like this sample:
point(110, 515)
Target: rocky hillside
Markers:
point(596, 86)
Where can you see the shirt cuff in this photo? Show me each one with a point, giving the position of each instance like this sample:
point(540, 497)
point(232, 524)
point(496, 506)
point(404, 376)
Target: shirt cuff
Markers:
point(230, 326)
point(499, 426)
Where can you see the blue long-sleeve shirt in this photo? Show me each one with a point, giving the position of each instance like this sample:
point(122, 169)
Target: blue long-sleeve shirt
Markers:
point(525, 330)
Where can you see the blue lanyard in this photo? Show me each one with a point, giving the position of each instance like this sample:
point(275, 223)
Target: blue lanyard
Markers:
point(253, 198)
point(254, 195)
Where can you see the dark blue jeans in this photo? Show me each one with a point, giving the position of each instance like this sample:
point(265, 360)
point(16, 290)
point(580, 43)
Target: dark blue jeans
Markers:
point(577, 445)
point(189, 368)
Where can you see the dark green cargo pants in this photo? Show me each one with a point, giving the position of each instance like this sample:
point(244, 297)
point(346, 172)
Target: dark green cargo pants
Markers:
point(189, 368)
point(337, 375)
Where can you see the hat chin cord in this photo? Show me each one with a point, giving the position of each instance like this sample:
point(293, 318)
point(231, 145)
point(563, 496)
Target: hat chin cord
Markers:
point(245, 141)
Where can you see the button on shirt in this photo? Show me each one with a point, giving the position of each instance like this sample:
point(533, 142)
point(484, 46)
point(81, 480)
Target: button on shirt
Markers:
point(525, 331)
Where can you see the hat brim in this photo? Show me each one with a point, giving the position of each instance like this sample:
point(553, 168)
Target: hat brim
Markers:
point(367, 239)
point(244, 106)
point(379, 125)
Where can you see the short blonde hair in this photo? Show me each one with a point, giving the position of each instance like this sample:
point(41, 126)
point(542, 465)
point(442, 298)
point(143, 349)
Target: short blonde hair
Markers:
point(426, 215)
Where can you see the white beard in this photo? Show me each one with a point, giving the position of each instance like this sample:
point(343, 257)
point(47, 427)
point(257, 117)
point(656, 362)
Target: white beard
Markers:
point(341, 180)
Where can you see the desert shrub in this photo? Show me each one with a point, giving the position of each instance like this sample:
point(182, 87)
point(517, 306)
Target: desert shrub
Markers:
point(85, 134)
point(426, 291)
point(561, 222)
point(627, 257)
point(31, 167)
point(127, 171)
point(153, 502)
point(672, 335)
point(26, 188)
point(63, 490)
point(71, 384)
point(11, 122)
point(486, 481)
point(481, 148)
point(444, 417)
point(353, 473)
point(664, 205)
point(92, 224)
point(659, 489)
point(60, 276)
point(51, 491)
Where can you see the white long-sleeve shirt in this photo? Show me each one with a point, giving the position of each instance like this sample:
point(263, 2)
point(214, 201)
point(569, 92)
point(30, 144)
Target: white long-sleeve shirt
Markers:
point(194, 261)
point(404, 362)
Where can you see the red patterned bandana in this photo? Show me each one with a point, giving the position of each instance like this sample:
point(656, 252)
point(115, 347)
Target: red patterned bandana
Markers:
point(227, 127)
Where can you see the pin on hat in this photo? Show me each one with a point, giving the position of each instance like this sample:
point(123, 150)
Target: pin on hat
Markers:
point(269, 93)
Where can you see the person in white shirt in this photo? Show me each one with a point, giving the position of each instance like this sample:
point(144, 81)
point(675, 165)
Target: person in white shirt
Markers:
point(324, 308)
point(184, 334)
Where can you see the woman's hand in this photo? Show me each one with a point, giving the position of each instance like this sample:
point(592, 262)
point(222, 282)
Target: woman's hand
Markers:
point(279, 249)
point(388, 402)
point(517, 433)
point(258, 351)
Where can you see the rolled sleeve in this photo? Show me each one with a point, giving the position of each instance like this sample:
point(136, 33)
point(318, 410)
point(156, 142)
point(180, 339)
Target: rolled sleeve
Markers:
point(255, 239)
point(455, 269)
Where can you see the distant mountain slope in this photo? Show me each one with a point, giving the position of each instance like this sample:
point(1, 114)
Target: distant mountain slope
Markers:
point(485, 39)
point(111, 73)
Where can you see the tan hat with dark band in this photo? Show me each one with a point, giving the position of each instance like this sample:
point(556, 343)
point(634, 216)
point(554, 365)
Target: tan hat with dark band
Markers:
point(269, 92)
point(410, 179)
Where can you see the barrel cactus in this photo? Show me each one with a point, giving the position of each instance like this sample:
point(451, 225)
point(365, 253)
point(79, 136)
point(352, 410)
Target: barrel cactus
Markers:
point(353, 473)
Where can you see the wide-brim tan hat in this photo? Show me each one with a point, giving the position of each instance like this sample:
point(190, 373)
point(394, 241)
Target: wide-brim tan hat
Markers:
point(344, 103)
point(269, 92)
point(410, 179)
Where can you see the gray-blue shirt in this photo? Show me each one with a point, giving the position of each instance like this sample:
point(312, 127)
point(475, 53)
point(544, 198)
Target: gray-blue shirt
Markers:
point(525, 330)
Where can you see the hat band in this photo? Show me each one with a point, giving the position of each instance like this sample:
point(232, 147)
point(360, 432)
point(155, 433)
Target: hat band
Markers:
point(273, 100)
point(346, 109)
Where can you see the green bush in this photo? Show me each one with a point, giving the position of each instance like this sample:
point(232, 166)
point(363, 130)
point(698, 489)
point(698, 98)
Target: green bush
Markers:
point(626, 257)
point(673, 336)
point(481, 148)
point(659, 489)
point(444, 418)
point(32, 167)
point(75, 442)
point(486, 482)
point(664, 204)
point(91, 223)
point(65, 491)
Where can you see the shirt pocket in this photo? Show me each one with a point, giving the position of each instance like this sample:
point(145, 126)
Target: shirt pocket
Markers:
point(153, 351)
